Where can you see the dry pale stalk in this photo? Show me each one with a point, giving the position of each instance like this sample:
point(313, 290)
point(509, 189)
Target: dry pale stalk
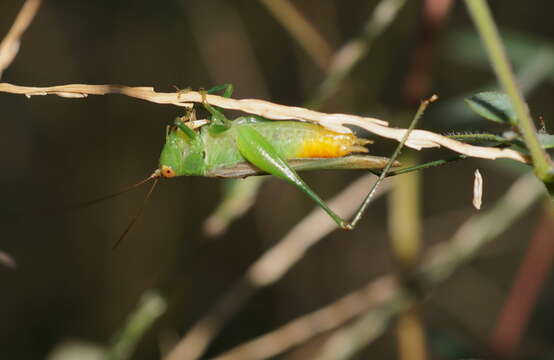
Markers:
point(380, 292)
point(418, 139)
point(10, 45)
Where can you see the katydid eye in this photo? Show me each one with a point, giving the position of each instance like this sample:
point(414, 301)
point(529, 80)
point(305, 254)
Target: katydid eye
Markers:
point(167, 171)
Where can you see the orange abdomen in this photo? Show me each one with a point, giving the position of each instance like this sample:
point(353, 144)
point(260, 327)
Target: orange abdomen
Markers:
point(328, 144)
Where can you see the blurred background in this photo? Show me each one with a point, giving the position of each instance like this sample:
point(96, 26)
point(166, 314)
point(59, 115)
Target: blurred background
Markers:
point(69, 285)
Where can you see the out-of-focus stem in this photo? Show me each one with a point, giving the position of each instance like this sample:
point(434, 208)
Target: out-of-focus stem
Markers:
point(404, 215)
point(353, 51)
point(411, 335)
point(405, 230)
point(152, 305)
point(529, 281)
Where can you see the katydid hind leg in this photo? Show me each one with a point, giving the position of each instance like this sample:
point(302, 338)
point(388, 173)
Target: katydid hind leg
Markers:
point(365, 203)
point(258, 151)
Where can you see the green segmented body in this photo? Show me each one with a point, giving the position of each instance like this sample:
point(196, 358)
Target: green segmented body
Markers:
point(209, 152)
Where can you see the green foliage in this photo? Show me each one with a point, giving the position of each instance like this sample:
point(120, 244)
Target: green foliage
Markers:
point(464, 46)
point(493, 106)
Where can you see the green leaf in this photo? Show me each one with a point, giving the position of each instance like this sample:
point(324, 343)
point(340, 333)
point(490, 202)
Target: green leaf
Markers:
point(493, 106)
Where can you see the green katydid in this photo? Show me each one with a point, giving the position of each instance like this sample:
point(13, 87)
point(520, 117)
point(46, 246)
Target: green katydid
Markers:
point(251, 145)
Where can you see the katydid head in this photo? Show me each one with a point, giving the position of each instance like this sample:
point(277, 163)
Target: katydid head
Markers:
point(182, 153)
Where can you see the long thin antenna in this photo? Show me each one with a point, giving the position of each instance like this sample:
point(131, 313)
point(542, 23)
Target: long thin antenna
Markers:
point(154, 175)
point(156, 178)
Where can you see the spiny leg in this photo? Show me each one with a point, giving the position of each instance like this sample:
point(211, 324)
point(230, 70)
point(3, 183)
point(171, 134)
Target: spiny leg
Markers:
point(393, 158)
point(258, 151)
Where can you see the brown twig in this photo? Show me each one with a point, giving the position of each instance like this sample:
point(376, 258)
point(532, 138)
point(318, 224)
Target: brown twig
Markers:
point(9, 46)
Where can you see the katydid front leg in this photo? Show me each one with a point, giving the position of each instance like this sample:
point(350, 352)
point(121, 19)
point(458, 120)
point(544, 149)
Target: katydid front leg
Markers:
point(220, 123)
point(258, 151)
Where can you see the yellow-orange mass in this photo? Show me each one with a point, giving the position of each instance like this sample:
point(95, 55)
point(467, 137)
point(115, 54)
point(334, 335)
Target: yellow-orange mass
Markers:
point(329, 144)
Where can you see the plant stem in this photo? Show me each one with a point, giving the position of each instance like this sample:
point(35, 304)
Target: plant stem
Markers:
point(404, 216)
point(480, 12)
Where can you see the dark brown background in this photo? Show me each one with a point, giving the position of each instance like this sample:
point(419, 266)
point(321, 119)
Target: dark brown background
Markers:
point(69, 284)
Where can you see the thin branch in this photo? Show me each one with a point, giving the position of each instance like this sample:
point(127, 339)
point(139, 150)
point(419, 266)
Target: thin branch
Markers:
point(418, 139)
point(347, 342)
point(9, 47)
point(300, 30)
point(419, 113)
point(379, 293)
point(423, 166)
